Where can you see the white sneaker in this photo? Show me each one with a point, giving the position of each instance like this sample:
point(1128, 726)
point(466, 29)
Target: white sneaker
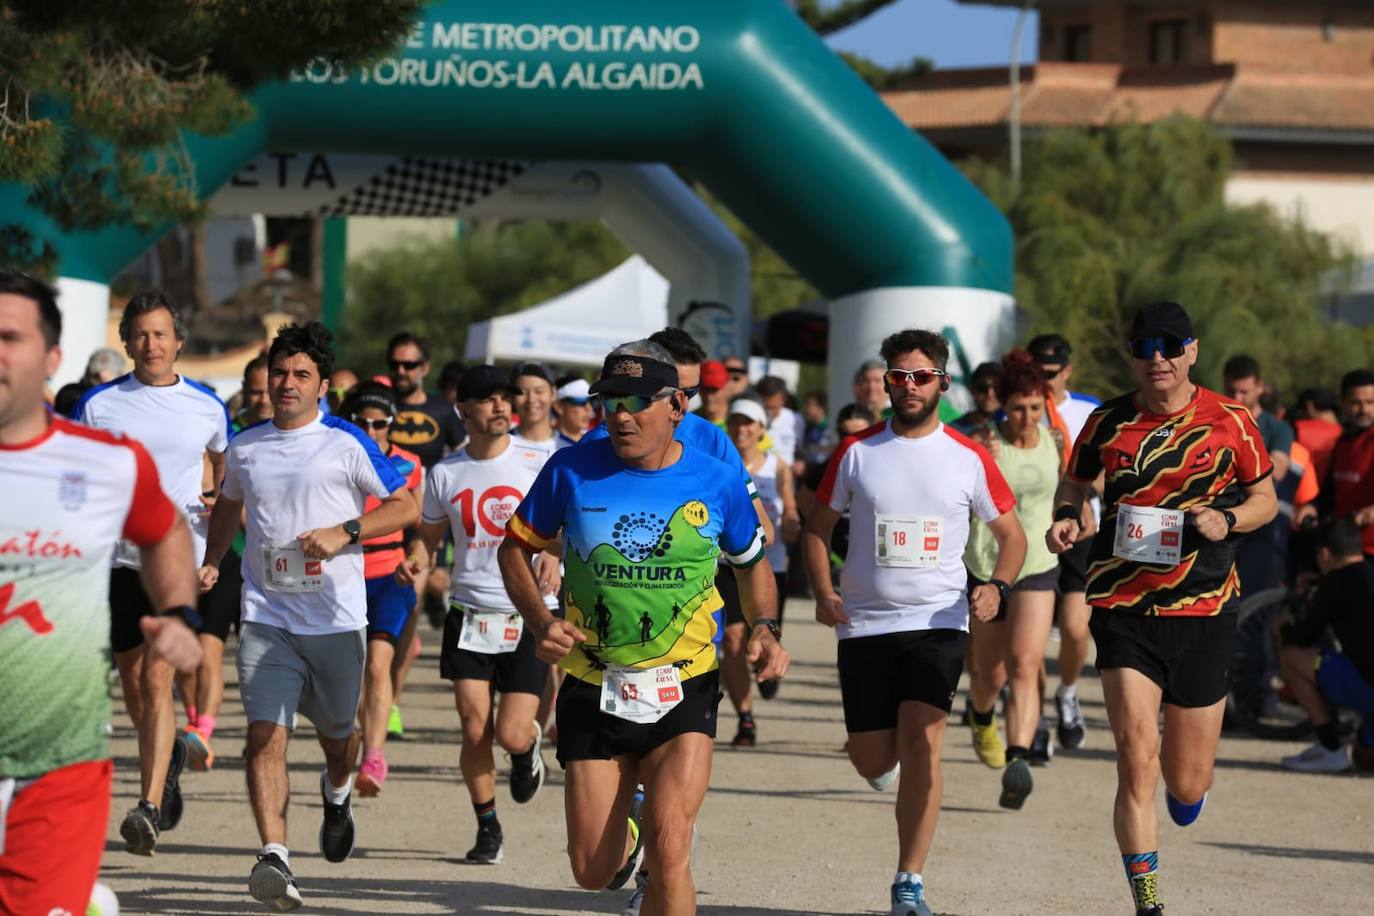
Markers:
point(1318, 759)
point(880, 783)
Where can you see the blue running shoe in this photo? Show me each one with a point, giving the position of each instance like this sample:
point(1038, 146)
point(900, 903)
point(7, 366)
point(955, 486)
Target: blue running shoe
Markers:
point(1182, 814)
point(909, 899)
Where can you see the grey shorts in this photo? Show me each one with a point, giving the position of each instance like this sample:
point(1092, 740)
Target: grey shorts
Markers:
point(321, 677)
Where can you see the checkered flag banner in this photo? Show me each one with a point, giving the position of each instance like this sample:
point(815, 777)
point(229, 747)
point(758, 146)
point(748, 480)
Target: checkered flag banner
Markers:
point(425, 187)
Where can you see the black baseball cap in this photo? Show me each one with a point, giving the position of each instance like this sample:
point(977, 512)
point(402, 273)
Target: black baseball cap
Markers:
point(1159, 319)
point(538, 370)
point(635, 375)
point(1050, 350)
point(370, 394)
point(482, 381)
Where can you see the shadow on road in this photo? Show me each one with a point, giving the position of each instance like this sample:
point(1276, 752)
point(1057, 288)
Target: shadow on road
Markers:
point(1293, 852)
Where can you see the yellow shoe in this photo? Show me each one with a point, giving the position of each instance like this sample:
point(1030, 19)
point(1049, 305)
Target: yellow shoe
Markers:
point(988, 744)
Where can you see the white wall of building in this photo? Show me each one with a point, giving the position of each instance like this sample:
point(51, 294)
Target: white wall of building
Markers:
point(1343, 207)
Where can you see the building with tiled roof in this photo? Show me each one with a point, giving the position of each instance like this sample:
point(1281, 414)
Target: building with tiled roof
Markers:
point(1291, 84)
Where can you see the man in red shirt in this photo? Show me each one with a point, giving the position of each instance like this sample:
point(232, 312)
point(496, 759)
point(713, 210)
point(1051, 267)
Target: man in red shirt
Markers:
point(1349, 487)
point(1185, 472)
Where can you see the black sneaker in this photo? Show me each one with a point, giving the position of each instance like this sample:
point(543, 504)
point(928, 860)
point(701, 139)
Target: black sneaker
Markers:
point(1016, 784)
point(527, 770)
point(172, 803)
point(140, 829)
point(487, 851)
point(636, 857)
point(748, 733)
point(769, 688)
point(336, 830)
point(1154, 909)
point(1042, 748)
point(272, 882)
point(1072, 730)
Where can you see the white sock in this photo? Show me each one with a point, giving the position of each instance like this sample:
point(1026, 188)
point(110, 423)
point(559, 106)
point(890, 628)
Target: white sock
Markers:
point(1068, 690)
point(913, 876)
point(280, 850)
point(336, 796)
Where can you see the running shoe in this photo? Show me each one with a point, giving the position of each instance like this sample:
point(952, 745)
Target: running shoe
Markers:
point(1072, 730)
point(488, 848)
point(394, 727)
point(636, 901)
point(880, 783)
point(337, 832)
point(747, 735)
point(1154, 909)
point(1016, 784)
point(1182, 814)
point(769, 689)
point(987, 744)
point(909, 899)
point(1318, 759)
point(636, 857)
point(140, 829)
point(172, 803)
point(200, 756)
point(1362, 755)
point(103, 901)
point(527, 770)
point(272, 882)
point(1042, 747)
point(371, 775)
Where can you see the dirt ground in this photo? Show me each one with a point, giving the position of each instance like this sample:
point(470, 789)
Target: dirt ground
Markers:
point(788, 827)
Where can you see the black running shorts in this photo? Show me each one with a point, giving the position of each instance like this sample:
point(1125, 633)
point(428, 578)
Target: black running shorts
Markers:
point(728, 587)
point(520, 671)
point(1188, 657)
point(219, 608)
point(587, 733)
point(880, 673)
point(1073, 568)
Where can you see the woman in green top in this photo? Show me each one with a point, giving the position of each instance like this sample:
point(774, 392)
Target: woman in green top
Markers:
point(1012, 647)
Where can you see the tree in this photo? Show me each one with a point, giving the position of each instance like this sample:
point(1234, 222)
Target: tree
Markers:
point(1107, 220)
point(437, 289)
point(128, 77)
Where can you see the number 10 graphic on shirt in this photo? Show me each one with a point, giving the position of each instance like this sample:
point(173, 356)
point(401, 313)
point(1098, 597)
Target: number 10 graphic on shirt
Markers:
point(492, 509)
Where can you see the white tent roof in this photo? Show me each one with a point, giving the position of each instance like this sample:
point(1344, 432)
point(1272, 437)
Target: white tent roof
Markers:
point(579, 327)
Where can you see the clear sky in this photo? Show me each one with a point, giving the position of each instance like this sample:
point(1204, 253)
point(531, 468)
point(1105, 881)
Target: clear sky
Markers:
point(949, 33)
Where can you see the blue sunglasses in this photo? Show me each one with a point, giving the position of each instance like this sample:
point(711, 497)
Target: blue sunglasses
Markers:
point(1170, 346)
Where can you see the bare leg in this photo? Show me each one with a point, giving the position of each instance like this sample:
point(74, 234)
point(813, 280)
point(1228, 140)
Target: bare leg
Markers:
point(676, 776)
point(158, 730)
point(129, 664)
point(376, 702)
point(1074, 637)
point(473, 699)
point(597, 800)
point(1028, 630)
point(1133, 702)
point(210, 680)
point(339, 754)
point(735, 669)
point(515, 722)
point(1189, 750)
point(920, 735)
point(402, 659)
point(269, 790)
point(988, 647)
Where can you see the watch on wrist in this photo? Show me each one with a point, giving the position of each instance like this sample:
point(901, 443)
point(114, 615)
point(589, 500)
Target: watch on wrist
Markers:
point(189, 615)
point(354, 529)
point(1002, 588)
point(1230, 520)
point(1066, 513)
point(772, 626)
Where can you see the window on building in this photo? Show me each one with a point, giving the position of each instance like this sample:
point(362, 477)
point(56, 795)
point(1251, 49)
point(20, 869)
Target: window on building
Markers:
point(1167, 38)
point(1078, 42)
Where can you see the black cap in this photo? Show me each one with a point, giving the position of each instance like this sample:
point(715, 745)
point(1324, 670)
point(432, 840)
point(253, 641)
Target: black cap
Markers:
point(1050, 350)
point(538, 370)
point(370, 394)
point(482, 381)
point(635, 375)
point(1162, 318)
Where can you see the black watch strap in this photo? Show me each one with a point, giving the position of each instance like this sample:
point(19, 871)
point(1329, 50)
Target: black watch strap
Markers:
point(1003, 588)
point(1065, 513)
point(189, 615)
point(1230, 519)
point(354, 529)
point(772, 626)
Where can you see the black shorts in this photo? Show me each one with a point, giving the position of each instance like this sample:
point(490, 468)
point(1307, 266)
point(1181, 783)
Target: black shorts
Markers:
point(520, 671)
point(587, 733)
point(219, 608)
point(728, 588)
point(1073, 567)
point(880, 673)
point(1188, 657)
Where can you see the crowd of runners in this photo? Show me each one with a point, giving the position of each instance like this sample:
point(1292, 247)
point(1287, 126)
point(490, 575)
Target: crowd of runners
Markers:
point(605, 561)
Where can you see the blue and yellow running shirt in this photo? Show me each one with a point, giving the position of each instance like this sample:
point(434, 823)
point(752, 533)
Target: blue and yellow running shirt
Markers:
point(640, 550)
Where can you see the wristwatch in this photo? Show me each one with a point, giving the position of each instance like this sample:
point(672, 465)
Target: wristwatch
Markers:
point(188, 615)
point(354, 529)
point(1002, 588)
point(1065, 513)
point(772, 626)
point(1230, 520)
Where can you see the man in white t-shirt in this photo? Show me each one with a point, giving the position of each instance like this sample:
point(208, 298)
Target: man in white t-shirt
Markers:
point(303, 479)
point(182, 424)
point(784, 425)
point(909, 485)
point(473, 493)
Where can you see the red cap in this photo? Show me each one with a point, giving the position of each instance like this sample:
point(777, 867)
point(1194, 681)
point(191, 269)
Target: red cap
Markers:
point(714, 374)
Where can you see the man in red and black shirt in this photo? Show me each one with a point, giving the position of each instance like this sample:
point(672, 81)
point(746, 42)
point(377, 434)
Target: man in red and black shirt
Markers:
point(1186, 472)
point(1348, 489)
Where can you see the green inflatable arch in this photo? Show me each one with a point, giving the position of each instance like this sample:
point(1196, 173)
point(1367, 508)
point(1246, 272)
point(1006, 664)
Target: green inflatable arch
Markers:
point(740, 94)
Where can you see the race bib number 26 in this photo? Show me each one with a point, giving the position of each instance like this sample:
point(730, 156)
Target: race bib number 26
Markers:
point(1145, 534)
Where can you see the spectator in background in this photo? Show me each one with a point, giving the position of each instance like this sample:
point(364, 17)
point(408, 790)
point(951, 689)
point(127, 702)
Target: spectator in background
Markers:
point(1324, 678)
point(784, 424)
point(425, 424)
point(341, 382)
point(818, 441)
point(1242, 382)
point(1349, 486)
point(448, 381)
point(1317, 425)
point(715, 392)
point(257, 404)
point(574, 411)
point(983, 386)
point(104, 365)
point(869, 390)
point(850, 421)
point(737, 377)
point(534, 395)
point(1261, 562)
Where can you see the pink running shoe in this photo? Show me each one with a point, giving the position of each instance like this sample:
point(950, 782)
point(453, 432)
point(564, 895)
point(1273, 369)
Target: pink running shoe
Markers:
point(371, 775)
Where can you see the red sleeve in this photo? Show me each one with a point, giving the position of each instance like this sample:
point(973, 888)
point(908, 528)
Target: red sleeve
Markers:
point(999, 494)
point(1252, 458)
point(151, 513)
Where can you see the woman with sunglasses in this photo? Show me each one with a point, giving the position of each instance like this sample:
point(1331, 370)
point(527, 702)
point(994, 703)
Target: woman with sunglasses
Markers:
point(372, 407)
point(1186, 471)
point(1009, 648)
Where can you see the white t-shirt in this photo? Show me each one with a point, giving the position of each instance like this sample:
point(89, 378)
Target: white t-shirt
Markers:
point(786, 431)
point(766, 479)
point(938, 479)
point(547, 446)
point(1075, 409)
point(296, 480)
point(177, 424)
point(477, 498)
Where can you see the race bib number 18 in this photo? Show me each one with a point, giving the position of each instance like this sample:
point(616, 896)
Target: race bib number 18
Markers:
point(1145, 534)
point(912, 543)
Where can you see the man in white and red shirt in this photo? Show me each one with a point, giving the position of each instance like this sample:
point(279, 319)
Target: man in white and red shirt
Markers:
point(908, 485)
point(70, 493)
point(473, 494)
